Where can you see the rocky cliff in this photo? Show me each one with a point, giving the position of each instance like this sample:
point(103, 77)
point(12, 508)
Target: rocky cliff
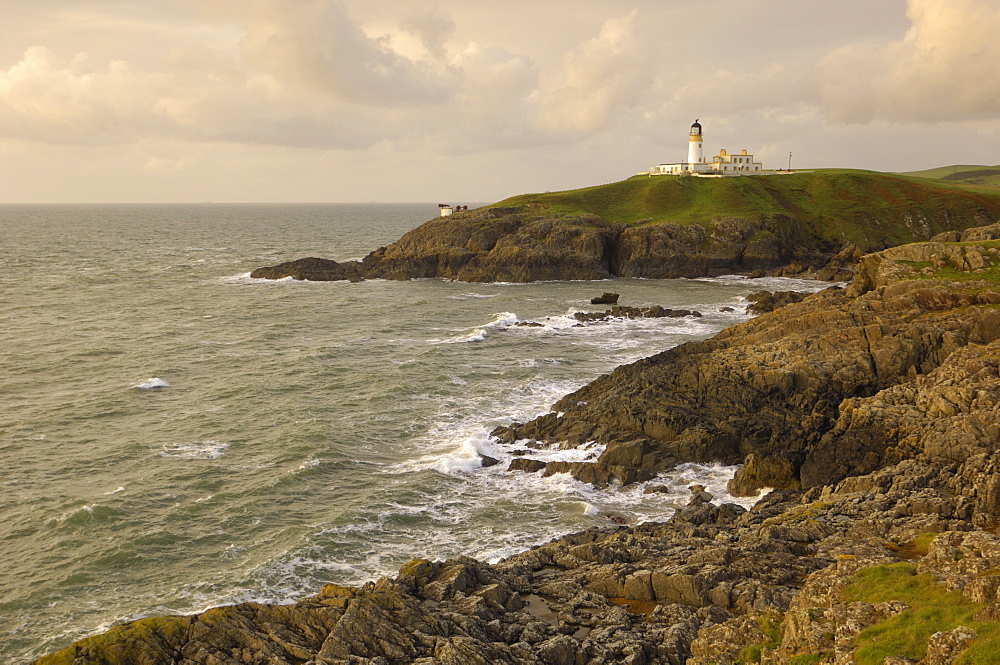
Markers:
point(791, 395)
point(812, 224)
point(512, 245)
point(875, 409)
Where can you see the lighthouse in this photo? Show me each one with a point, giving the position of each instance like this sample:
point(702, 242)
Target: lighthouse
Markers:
point(722, 164)
point(694, 144)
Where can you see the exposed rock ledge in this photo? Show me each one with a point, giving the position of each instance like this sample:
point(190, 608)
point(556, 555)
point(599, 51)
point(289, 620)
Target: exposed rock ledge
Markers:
point(878, 408)
point(515, 245)
point(805, 396)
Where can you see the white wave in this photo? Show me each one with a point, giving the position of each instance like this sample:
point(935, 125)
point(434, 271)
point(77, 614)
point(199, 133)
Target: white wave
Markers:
point(500, 321)
point(586, 452)
point(81, 514)
point(465, 458)
point(152, 384)
point(208, 449)
point(242, 278)
point(245, 278)
point(309, 464)
point(475, 296)
point(477, 335)
point(115, 491)
point(772, 283)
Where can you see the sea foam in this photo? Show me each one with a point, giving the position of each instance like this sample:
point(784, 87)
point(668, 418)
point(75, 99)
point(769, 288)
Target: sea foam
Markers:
point(207, 449)
point(152, 384)
point(500, 321)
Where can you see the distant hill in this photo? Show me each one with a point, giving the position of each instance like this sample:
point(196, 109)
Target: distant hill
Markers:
point(970, 174)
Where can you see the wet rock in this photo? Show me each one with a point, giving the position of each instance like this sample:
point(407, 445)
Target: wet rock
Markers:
point(313, 269)
point(620, 312)
point(765, 301)
point(605, 299)
point(526, 464)
point(699, 496)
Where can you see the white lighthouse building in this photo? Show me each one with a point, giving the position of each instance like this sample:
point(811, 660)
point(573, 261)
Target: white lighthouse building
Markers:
point(694, 144)
point(720, 165)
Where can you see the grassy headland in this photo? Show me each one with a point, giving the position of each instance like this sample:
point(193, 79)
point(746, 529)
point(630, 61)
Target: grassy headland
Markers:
point(833, 203)
point(660, 227)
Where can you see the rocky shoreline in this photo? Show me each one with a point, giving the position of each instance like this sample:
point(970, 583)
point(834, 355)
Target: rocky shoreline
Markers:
point(517, 245)
point(875, 412)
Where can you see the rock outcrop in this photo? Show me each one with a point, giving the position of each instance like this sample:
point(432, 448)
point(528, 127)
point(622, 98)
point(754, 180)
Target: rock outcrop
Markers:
point(605, 299)
point(624, 312)
point(515, 245)
point(312, 269)
point(835, 385)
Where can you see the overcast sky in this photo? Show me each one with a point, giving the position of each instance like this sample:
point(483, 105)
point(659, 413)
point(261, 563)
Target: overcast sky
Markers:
point(396, 100)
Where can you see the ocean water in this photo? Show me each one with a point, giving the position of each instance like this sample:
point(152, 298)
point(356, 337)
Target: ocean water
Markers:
point(175, 435)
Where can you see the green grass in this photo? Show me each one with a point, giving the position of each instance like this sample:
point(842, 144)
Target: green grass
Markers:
point(771, 627)
point(865, 207)
point(985, 176)
point(809, 659)
point(990, 275)
point(932, 608)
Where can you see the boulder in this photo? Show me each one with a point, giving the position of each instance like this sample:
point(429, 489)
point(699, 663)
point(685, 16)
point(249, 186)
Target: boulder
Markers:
point(606, 299)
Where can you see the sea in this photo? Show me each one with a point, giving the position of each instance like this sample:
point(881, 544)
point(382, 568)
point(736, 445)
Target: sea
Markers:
point(175, 435)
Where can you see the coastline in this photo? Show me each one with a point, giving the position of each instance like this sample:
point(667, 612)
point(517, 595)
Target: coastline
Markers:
point(710, 583)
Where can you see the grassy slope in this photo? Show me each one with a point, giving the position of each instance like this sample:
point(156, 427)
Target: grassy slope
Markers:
point(833, 202)
point(932, 608)
point(984, 176)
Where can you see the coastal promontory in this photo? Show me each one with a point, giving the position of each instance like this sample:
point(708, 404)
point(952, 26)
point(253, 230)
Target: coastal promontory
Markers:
point(811, 223)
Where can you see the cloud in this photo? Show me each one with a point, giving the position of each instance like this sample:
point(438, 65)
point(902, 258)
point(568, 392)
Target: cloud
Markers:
point(316, 44)
point(943, 69)
point(310, 74)
point(67, 102)
point(202, 96)
point(599, 76)
point(433, 28)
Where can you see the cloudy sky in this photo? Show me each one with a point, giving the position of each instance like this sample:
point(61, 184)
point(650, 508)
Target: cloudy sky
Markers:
point(396, 100)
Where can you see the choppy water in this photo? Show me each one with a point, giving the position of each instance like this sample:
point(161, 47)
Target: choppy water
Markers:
point(175, 435)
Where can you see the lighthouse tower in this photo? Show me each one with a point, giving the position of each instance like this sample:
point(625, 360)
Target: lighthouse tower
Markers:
point(694, 144)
